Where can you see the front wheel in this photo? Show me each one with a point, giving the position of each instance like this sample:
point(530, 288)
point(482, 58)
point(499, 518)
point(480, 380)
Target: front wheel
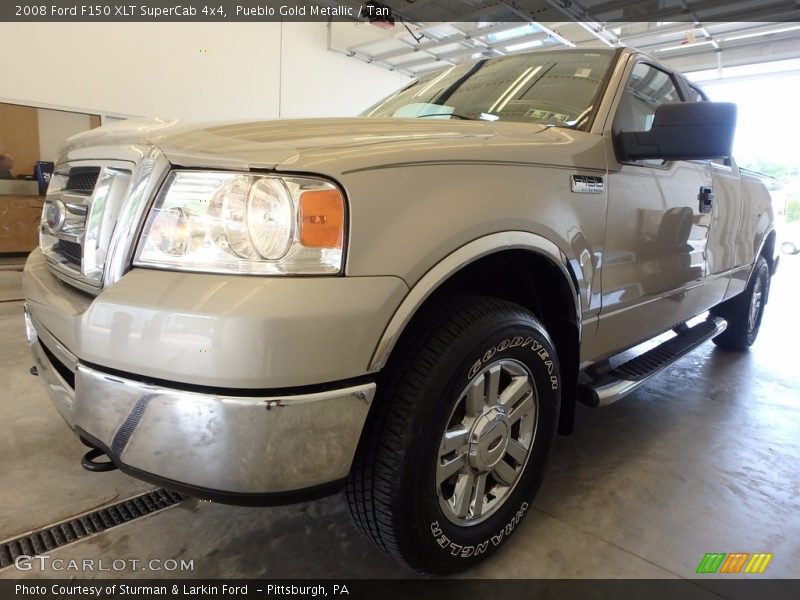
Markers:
point(745, 311)
point(455, 446)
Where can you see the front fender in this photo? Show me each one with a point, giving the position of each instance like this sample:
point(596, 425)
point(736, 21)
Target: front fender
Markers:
point(457, 260)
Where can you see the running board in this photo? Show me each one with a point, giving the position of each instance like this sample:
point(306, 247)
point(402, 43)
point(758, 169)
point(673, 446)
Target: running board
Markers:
point(624, 379)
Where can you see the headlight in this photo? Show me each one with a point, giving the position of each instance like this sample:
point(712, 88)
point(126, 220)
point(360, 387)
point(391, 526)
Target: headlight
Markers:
point(239, 223)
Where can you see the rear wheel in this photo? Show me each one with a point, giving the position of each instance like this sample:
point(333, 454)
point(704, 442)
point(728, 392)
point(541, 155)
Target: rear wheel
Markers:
point(456, 443)
point(745, 311)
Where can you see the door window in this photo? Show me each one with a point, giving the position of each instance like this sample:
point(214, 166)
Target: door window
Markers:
point(696, 94)
point(647, 89)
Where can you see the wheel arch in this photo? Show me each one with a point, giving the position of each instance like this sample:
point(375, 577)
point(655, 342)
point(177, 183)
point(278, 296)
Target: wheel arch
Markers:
point(490, 266)
point(768, 249)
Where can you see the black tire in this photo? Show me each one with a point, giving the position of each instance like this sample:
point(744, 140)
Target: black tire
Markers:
point(742, 331)
point(392, 490)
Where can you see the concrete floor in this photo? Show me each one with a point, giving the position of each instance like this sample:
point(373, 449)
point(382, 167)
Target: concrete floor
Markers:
point(705, 458)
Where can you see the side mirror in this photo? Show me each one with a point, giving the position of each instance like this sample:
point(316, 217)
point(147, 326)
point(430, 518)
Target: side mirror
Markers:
point(682, 131)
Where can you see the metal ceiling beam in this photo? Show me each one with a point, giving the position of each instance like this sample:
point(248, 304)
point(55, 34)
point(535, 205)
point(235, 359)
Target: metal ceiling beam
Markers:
point(690, 11)
point(453, 39)
point(482, 10)
point(651, 45)
point(608, 7)
point(611, 7)
point(408, 47)
point(397, 37)
point(757, 30)
point(706, 20)
point(597, 31)
point(443, 58)
point(560, 38)
point(641, 39)
point(462, 51)
point(677, 53)
point(790, 10)
point(576, 16)
point(788, 7)
point(412, 4)
point(780, 7)
point(385, 65)
point(664, 30)
point(539, 36)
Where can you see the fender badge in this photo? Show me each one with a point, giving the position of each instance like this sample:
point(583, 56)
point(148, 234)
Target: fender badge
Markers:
point(587, 184)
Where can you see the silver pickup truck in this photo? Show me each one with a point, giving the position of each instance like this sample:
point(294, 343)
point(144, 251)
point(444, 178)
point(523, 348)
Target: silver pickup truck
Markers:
point(405, 305)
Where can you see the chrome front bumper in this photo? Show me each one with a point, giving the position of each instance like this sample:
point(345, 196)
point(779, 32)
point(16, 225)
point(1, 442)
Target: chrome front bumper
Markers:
point(227, 447)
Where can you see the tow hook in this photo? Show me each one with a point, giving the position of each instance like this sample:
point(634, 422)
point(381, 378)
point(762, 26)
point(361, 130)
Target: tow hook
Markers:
point(34, 371)
point(89, 463)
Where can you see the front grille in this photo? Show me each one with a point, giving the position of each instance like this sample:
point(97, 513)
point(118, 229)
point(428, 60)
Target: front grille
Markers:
point(71, 251)
point(82, 179)
point(84, 202)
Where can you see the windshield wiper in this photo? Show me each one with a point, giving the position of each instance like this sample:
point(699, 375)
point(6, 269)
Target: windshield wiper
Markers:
point(455, 115)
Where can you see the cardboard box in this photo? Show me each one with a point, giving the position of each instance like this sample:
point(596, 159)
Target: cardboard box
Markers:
point(19, 222)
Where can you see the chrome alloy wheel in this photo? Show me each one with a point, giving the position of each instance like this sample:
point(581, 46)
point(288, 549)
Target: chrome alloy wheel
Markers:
point(487, 442)
point(755, 305)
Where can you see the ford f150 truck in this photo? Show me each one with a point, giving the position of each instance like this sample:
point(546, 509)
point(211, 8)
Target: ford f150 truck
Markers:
point(406, 305)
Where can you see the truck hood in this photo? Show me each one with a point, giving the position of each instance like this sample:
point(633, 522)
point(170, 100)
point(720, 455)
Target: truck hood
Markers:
point(324, 145)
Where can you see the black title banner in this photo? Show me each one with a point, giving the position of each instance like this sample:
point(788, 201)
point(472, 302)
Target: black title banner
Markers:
point(438, 589)
point(388, 12)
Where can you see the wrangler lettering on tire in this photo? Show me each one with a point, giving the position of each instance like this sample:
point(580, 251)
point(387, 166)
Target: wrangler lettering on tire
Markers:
point(455, 447)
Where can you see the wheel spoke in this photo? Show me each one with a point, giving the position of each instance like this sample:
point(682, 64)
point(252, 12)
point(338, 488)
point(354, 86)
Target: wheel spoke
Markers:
point(525, 407)
point(499, 406)
point(517, 451)
point(755, 305)
point(518, 387)
point(462, 496)
point(450, 468)
point(475, 397)
point(453, 440)
point(505, 473)
point(492, 392)
point(480, 492)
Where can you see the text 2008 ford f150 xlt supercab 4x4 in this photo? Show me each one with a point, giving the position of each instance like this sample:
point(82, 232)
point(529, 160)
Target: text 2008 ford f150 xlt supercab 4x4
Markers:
point(406, 304)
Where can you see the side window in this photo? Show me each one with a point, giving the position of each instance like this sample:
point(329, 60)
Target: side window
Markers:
point(696, 94)
point(647, 89)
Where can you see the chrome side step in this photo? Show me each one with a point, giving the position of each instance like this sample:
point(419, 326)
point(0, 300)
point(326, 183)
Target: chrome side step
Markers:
point(624, 379)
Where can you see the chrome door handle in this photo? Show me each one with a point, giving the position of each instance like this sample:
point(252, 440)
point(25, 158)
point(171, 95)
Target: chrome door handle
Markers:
point(706, 199)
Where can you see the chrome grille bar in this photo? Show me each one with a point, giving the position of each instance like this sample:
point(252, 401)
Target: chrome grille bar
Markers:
point(84, 200)
point(97, 209)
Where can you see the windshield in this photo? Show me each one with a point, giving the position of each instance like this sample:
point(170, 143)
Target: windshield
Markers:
point(552, 88)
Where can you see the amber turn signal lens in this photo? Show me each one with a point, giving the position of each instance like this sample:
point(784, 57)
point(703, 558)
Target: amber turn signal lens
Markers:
point(321, 219)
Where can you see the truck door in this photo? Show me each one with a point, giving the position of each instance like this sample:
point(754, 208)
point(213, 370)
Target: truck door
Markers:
point(726, 214)
point(655, 261)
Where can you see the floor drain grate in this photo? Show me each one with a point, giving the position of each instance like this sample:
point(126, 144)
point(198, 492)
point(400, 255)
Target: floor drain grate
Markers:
point(87, 525)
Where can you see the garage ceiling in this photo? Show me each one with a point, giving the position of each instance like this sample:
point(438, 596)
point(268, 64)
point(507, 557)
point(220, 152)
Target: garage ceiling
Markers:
point(690, 35)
